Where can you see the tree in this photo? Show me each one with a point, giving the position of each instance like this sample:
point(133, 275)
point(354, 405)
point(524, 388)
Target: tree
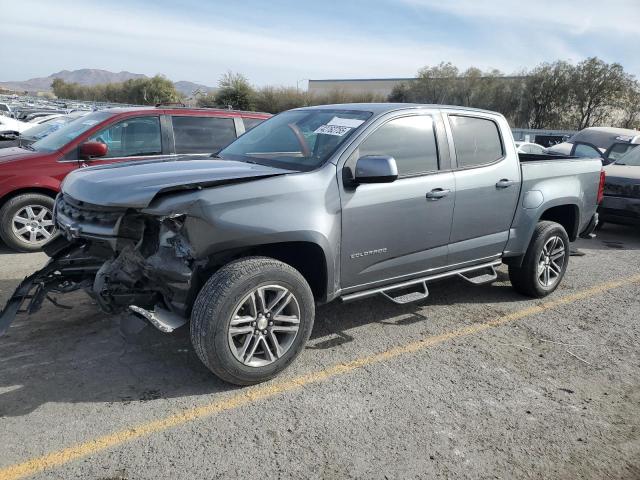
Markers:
point(436, 84)
point(547, 94)
point(401, 93)
point(140, 91)
point(235, 92)
point(596, 88)
point(629, 106)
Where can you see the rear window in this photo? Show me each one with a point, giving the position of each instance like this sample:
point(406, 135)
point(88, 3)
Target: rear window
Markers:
point(477, 140)
point(202, 134)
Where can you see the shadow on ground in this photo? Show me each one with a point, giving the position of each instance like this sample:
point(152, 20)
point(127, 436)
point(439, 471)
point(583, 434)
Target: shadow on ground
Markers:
point(80, 355)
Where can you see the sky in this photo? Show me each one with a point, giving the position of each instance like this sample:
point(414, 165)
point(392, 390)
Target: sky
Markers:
point(286, 42)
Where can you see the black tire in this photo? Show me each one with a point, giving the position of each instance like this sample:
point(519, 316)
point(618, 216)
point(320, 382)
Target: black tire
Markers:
point(9, 210)
point(216, 304)
point(525, 278)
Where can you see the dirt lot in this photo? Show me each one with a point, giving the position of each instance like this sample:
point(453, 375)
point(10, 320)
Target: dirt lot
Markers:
point(475, 382)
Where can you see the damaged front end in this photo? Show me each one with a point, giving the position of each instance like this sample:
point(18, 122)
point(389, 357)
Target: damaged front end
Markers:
point(124, 259)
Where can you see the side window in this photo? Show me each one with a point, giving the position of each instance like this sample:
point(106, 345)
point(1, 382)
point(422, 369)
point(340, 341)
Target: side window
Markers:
point(619, 149)
point(584, 150)
point(249, 123)
point(410, 140)
point(477, 140)
point(202, 134)
point(131, 137)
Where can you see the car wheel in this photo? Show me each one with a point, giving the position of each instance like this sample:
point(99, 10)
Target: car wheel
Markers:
point(252, 319)
point(26, 222)
point(545, 261)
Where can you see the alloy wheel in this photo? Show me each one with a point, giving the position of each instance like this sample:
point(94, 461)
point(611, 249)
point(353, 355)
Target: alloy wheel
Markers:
point(264, 325)
point(33, 224)
point(551, 261)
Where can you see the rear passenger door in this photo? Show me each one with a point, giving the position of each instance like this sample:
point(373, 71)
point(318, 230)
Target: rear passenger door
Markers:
point(202, 135)
point(393, 231)
point(487, 182)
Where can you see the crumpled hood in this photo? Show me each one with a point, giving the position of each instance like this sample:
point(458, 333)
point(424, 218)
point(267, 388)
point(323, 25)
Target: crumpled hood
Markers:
point(135, 184)
point(12, 154)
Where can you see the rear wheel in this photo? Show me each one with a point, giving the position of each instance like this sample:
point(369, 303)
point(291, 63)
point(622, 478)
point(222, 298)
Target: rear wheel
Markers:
point(545, 262)
point(26, 222)
point(252, 319)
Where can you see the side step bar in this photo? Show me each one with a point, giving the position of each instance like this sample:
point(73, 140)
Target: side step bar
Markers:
point(488, 275)
point(407, 297)
point(481, 276)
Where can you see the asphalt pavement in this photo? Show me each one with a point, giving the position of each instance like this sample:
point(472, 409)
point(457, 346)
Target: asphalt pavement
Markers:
point(474, 382)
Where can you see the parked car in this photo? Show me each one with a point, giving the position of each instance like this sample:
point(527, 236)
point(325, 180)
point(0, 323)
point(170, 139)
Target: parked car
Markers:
point(43, 129)
point(313, 205)
point(45, 118)
point(621, 203)
point(528, 147)
point(30, 176)
point(11, 128)
point(607, 142)
point(5, 110)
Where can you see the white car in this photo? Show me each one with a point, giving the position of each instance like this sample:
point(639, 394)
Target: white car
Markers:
point(528, 147)
point(12, 127)
point(5, 110)
point(44, 119)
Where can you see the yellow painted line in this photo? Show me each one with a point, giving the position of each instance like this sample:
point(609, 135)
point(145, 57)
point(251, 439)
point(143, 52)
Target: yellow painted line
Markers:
point(261, 392)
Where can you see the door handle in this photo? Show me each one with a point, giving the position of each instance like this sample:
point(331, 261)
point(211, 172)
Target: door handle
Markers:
point(438, 193)
point(505, 183)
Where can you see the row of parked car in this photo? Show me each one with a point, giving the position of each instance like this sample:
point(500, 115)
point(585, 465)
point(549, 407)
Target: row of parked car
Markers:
point(20, 113)
point(57, 143)
point(31, 173)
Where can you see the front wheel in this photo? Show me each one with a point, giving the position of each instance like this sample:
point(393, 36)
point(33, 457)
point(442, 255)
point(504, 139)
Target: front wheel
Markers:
point(252, 319)
point(545, 261)
point(26, 222)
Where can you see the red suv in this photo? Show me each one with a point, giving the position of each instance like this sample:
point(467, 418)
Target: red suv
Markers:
point(30, 176)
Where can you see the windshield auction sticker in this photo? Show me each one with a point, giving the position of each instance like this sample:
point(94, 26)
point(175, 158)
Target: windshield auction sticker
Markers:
point(332, 130)
point(345, 122)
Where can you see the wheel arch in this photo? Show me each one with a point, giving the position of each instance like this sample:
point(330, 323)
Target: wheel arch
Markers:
point(48, 191)
point(567, 215)
point(308, 257)
point(563, 212)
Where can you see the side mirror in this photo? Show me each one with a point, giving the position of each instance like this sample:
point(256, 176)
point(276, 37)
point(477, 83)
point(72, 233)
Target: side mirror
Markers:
point(376, 169)
point(89, 150)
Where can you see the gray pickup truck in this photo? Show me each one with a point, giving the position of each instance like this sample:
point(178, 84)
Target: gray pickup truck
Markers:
point(313, 205)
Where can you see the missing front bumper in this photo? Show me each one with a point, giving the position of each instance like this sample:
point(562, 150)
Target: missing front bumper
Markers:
point(70, 269)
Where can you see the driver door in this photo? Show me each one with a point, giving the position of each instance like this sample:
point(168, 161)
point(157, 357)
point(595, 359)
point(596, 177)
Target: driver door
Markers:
point(130, 139)
point(392, 231)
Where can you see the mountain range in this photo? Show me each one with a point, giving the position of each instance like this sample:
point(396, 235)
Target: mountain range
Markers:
point(93, 76)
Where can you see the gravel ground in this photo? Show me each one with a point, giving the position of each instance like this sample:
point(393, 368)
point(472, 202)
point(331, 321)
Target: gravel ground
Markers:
point(513, 392)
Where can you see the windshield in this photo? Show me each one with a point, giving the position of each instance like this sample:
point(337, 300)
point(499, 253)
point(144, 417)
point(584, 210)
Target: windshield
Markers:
point(299, 140)
point(68, 132)
point(631, 158)
point(44, 129)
